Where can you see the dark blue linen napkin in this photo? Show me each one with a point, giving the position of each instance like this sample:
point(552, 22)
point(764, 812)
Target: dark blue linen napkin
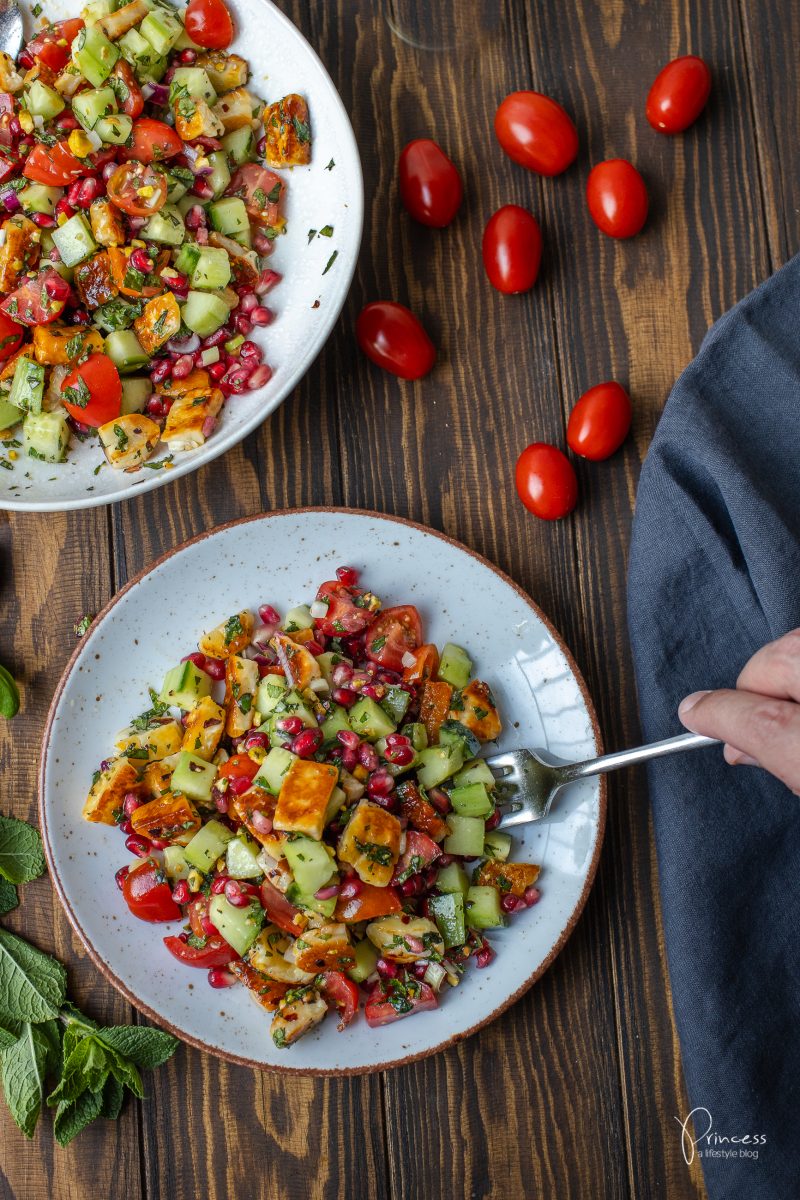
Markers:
point(714, 574)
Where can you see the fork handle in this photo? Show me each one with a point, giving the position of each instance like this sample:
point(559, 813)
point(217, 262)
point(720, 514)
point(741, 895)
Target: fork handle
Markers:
point(625, 758)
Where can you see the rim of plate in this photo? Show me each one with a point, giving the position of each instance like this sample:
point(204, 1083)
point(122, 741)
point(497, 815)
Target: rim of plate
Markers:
point(243, 1060)
point(227, 441)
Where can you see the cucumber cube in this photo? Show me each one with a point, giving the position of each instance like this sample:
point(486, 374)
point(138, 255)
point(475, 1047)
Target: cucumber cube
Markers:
point(239, 926)
point(336, 802)
point(135, 394)
point(271, 691)
point(185, 685)
point(454, 733)
point(455, 666)
point(43, 101)
point(475, 771)
point(93, 104)
point(326, 662)
point(302, 899)
point(395, 703)
point(369, 721)
point(193, 777)
point(204, 314)
point(366, 958)
point(483, 909)
point(190, 81)
point(466, 835)
point(176, 863)
point(187, 257)
point(94, 55)
point(418, 734)
point(161, 30)
point(45, 436)
point(297, 618)
point(241, 857)
point(37, 197)
point(497, 845)
point(27, 386)
point(97, 9)
point(139, 53)
point(273, 769)
point(166, 227)
point(438, 763)
point(207, 845)
point(240, 145)
point(448, 913)
point(212, 270)
point(220, 176)
point(74, 240)
point(123, 348)
point(337, 720)
point(309, 862)
point(10, 415)
point(471, 801)
point(453, 878)
point(229, 216)
point(114, 130)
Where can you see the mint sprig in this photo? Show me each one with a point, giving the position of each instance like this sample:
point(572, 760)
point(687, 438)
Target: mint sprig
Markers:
point(21, 853)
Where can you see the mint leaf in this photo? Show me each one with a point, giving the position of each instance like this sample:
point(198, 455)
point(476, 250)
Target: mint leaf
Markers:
point(32, 984)
point(74, 1116)
point(73, 1079)
point(24, 1067)
point(8, 896)
point(145, 1047)
point(21, 854)
point(113, 1095)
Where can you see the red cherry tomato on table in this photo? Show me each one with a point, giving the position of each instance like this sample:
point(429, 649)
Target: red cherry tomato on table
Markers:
point(512, 249)
point(92, 392)
point(393, 338)
point(394, 632)
point(536, 132)
point(617, 198)
point(599, 422)
point(430, 185)
point(152, 141)
point(209, 24)
point(11, 335)
point(215, 953)
point(53, 166)
point(679, 94)
point(148, 895)
point(341, 993)
point(51, 47)
point(546, 482)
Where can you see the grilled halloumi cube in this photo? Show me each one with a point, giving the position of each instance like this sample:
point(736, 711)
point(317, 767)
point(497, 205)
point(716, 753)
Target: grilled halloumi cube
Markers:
point(68, 81)
point(229, 637)
point(267, 956)
point(303, 798)
point(297, 1013)
point(194, 119)
point(241, 681)
point(57, 345)
point(156, 777)
point(225, 71)
point(129, 440)
point(244, 262)
point(118, 23)
point(10, 79)
point(235, 109)
point(370, 842)
point(275, 867)
point(108, 224)
point(107, 793)
point(204, 727)
point(149, 745)
point(20, 250)
point(168, 817)
point(192, 417)
point(160, 321)
point(327, 948)
point(266, 992)
point(288, 136)
point(475, 707)
point(405, 940)
point(299, 664)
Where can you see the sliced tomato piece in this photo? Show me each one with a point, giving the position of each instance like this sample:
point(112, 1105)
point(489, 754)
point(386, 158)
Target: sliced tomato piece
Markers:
point(54, 166)
point(198, 910)
point(51, 46)
point(345, 616)
point(38, 301)
point(215, 953)
point(340, 993)
point(394, 632)
point(419, 853)
point(239, 766)
point(8, 166)
point(138, 189)
point(92, 393)
point(279, 910)
point(392, 999)
point(152, 141)
point(426, 664)
point(261, 190)
point(209, 24)
point(148, 895)
point(11, 335)
point(128, 92)
point(371, 902)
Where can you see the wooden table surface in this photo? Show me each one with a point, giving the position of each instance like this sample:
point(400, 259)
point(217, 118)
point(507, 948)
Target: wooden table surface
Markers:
point(573, 1092)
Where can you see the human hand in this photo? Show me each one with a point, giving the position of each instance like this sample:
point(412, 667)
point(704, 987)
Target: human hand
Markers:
point(759, 721)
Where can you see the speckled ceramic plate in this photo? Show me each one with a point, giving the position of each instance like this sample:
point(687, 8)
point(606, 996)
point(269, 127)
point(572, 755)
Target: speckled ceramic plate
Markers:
point(306, 303)
point(281, 558)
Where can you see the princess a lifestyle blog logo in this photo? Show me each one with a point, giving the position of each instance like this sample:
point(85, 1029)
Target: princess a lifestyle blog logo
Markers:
point(707, 1143)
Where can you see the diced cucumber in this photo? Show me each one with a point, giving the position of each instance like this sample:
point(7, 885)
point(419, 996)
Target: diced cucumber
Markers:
point(438, 763)
point(185, 685)
point(123, 348)
point(190, 81)
point(96, 9)
point(135, 394)
point(302, 899)
point(326, 662)
point(448, 913)
point(471, 800)
point(37, 197)
point(94, 55)
point(293, 705)
point(161, 30)
point(27, 385)
point(455, 666)
point(212, 270)
point(240, 145)
point(309, 862)
point(454, 733)
point(297, 618)
point(239, 926)
point(274, 768)
point(395, 703)
point(271, 690)
point(204, 313)
point(184, 42)
point(114, 130)
point(10, 415)
point(497, 845)
point(369, 721)
point(336, 720)
point(418, 734)
point(465, 837)
point(177, 187)
point(154, 70)
point(475, 771)
point(187, 257)
point(336, 802)
point(139, 53)
point(74, 240)
point(176, 863)
point(366, 958)
point(187, 202)
point(166, 226)
point(453, 878)
point(219, 176)
point(193, 777)
point(241, 857)
point(43, 101)
point(229, 216)
point(91, 105)
point(483, 909)
point(207, 845)
point(45, 436)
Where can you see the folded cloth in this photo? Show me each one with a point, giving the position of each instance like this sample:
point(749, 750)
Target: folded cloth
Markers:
point(714, 574)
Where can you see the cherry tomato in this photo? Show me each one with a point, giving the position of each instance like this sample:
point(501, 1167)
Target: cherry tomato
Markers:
point(617, 198)
point(430, 185)
point(278, 908)
point(546, 482)
point(599, 422)
point(125, 186)
point(393, 338)
point(419, 853)
point(215, 953)
point(512, 249)
point(536, 132)
point(341, 993)
point(152, 141)
point(209, 24)
point(238, 766)
point(11, 335)
point(92, 392)
point(54, 166)
point(398, 999)
point(261, 191)
point(148, 895)
point(51, 46)
point(198, 910)
point(128, 92)
point(394, 632)
point(38, 301)
point(426, 664)
point(679, 94)
point(344, 616)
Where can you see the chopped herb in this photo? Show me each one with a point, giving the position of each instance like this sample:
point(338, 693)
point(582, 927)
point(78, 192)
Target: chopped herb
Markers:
point(233, 629)
point(82, 626)
point(275, 194)
point(330, 165)
point(79, 395)
point(375, 852)
point(74, 346)
point(122, 438)
point(326, 231)
point(302, 130)
point(330, 262)
point(378, 644)
point(312, 233)
point(36, 11)
point(260, 197)
point(162, 462)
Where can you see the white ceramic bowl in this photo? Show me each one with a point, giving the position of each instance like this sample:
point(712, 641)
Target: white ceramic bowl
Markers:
point(281, 61)
point(281, 559)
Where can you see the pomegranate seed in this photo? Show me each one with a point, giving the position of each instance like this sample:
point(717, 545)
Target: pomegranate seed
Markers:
point(261, 822)
point(439, 799)
point(217, 370)
point(444, 860)
point(386, 969)
point(236, 379)
point(69, 122)
point(269, 615)
point(347, 575)
point(139, 846)
point(411, 887)
point(181, 893)
point(398, 739)
point(262, 316)
point(291, 725)
point(345, 696)
point(182, 366)
point(511, 903)
point(57, 288)
point(25, 59)
point(88, 191)
point(218, 884)
point(202, 189)
point(359, 679)
point(155, 406)
point(367, 756)
point(247, 302)
point(348, 739)
point(342, 674)
point(242, 323)
point(43, 220)
point(532, 896)
point(380, 783)
point(263, 245)
point(197, 658)
point(484, 957)
point(314, 648)
point(351, 887)
point(400, 756)
point(125, 827)
point(349, 760)
point(267, 280)
point(220, 977)
point(493, 821)
point(195, 218)
point(120, 876)
point(249, 352)
point(64, 207)
point(160, 370)
point(215, 667)
point(142, 261)
point(258, 741)
point(187, 56)
point(240, 785)
point(220, 798)
point(130, 803)
point(158, 843)
point(306, 744)
point(418, 969)
point(374, 691)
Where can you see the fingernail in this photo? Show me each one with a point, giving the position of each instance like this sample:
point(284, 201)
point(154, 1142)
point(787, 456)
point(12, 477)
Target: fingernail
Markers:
point(689, 702)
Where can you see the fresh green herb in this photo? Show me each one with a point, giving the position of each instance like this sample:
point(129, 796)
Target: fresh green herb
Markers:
point(326, 231)
point(74, 346)
point(330, 262)
point(378, 644)
point(302, 130)
point(79, 395)
point(9, 694)
point(122, 438)
point(162, 462)
point(274, 195)
point(158, 327)
point(480, 713)
point(36, 11)
point(8, 896)
point(116, 314)
point(6, 464)
point(375, 852)
point(21, 854)
point(134, 279)
point(233, 629)
point(330, 165)
point(149, 718)
point(312, 233)
point(260, 197)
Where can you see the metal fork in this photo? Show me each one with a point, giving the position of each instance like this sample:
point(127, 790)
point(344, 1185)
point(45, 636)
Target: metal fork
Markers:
point(10, 28)
point(528, 781)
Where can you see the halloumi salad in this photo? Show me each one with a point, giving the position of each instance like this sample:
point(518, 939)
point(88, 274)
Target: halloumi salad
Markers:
point(141, 194)
point(305, 793)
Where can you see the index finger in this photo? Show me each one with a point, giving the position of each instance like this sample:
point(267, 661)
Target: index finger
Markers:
point(775, 669)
